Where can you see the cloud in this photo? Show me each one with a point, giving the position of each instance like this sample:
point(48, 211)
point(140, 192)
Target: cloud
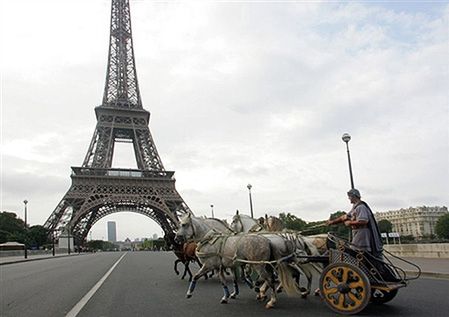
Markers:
point(239, 93)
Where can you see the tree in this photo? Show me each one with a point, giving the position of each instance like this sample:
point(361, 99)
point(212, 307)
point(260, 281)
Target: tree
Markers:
point(292, 222)
point(385, 225)
point(11, 228)
point(340, 229)
point(38, 236)
point(442, 227)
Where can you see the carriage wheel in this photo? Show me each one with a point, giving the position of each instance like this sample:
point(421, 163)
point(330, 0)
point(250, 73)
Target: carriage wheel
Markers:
point(345, 288)
point(379, 296)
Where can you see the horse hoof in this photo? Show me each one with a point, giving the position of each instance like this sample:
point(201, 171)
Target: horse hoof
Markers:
point(304, 294)
point(317, 292)
point(261, 298)
point(188, 295)
point(269, 306)
point(224, 301)
point(233, 296)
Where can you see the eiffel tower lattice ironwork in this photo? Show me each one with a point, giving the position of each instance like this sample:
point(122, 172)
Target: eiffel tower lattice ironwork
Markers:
point(97, 189)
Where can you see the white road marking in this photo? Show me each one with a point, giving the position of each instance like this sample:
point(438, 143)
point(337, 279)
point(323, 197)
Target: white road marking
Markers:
point(77, 308)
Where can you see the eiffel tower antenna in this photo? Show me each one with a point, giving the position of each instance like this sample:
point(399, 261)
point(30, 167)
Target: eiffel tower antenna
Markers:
point(98, 189)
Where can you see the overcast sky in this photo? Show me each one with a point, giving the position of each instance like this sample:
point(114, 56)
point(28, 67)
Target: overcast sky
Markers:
point(239, 92)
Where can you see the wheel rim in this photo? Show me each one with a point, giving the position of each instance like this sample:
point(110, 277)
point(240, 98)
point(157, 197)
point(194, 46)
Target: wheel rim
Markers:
point(345, 288)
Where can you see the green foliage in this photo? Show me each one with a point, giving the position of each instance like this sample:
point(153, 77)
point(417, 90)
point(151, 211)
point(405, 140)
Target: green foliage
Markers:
point(442, 227)
point(407, 239)
point(292, 222)
point(11, 228)
point(147, 244)
point(38, 236)
point(340, 229)
point(96, 245)
point(385, 225)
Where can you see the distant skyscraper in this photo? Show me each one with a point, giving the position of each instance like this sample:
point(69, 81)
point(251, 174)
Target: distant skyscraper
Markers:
point(112, 231)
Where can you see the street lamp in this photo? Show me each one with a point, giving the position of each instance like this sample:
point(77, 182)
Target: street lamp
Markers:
point(53, 242)
point(346, 138)
point(68, 239)
point(249, 186)
point(212, 209)
point(26, 229)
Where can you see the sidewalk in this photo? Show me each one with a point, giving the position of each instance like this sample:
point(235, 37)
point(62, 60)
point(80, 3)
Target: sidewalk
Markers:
point(31, 257)
point(430, 267)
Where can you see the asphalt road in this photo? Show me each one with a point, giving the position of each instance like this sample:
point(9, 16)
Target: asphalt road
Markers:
point(144, 284)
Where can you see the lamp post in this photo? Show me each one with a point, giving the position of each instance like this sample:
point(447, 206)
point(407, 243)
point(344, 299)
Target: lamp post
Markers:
point(26, 229)
point(53, 242)
point(68, 239)
point(212, 210)
point(249, 186)
point(346, 138)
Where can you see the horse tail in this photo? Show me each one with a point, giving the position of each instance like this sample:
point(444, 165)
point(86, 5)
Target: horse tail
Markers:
point(286, 278)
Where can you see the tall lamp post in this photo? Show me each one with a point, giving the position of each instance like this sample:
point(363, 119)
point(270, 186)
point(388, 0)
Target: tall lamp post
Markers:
point(26, 229)
point(53, 242)
point(346, 138)
point(212, 210)
point(68, 239)
point(249, 186)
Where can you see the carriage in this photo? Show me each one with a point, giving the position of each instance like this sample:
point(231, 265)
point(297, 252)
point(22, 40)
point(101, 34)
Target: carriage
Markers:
point(352, 278)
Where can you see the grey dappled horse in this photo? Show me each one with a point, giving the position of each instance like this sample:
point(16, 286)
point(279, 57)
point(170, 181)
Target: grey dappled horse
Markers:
point(221, 251)
point(304, 246)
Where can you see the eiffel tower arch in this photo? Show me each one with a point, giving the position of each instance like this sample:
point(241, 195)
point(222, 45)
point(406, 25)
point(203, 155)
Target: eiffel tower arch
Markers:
point(97, 189)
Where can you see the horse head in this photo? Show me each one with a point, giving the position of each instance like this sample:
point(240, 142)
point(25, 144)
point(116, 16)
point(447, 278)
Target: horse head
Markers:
point(242, 223)
point(186, 229)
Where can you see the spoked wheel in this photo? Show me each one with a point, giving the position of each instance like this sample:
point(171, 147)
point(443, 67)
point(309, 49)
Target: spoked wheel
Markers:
point(379, 296)
point(345, 288)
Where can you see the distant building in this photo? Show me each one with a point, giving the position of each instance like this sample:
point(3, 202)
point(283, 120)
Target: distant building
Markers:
point(414, 221)
point(112, 231)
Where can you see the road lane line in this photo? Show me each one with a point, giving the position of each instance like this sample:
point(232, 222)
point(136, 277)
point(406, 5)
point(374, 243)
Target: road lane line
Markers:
point(77, 308)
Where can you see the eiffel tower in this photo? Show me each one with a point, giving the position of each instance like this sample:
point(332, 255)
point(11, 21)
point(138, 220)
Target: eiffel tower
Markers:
point(97, 189)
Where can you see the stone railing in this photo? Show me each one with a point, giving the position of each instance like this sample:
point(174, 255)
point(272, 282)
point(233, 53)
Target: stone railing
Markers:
point(431, 250)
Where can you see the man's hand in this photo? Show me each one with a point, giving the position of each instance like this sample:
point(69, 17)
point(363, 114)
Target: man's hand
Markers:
point(348, 223)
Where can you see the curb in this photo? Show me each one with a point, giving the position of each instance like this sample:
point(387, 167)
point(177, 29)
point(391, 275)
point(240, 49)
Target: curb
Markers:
point(435, 275)
point(38, 259)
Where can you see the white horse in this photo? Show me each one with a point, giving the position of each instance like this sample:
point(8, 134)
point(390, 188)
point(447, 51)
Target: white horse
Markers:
point(194, 228)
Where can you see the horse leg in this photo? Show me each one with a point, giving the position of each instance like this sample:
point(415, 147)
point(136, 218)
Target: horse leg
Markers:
point(269, 279)
point(176, 266)
point(188, 271)
point(186, 267)
point(261, 295)
point(246, 276)
point(236, 285)
point(203, 270)
point(221, 274)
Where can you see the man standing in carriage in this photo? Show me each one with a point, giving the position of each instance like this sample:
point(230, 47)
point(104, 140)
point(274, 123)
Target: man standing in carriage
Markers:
point(365, 233)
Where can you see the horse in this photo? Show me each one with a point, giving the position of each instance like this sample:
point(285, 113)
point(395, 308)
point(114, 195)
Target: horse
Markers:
point(195, 228)
point(221, 251)
point(274, 224)
point(304, 246)
point(244, 223)
point(185, 253)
